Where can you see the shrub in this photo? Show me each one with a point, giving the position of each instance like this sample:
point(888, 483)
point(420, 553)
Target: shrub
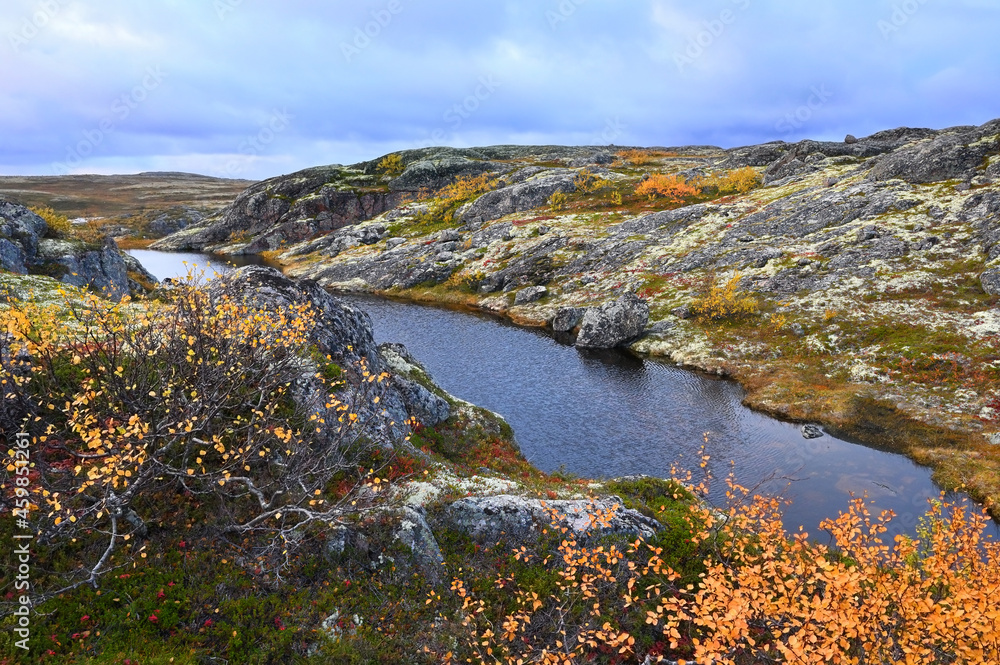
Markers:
point(59, 225)
point(391, 165)
point(673, 188)
point(467, 187)
point(557, 201)
point(587, 183)
point(724, 302)
point(194, 395)
point(739, 181)
point(640, 157)
point(764, 596)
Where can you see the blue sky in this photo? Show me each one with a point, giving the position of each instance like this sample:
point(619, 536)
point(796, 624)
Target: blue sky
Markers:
point(255, 88)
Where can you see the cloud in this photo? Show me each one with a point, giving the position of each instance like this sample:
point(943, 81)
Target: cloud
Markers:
point(363, 78)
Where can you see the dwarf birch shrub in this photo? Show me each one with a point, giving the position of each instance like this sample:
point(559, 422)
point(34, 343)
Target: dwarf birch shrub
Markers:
point(764, 596)
point(59, 225)
point(670, 187)
point(202, 394)
point(724, 301)
point(391, 165)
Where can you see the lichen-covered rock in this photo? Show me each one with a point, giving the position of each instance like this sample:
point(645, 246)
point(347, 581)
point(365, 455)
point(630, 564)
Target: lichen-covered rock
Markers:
point(990, 281)
point(521, 519)
point(955, 153)
point(437, 171)
point(20, 231)
point(102, 268)
point(530, 294)
point(567, 318)
point(343, 332)
point(527, 195)
point(287, 209)
point(613, 323)
point(415, 533)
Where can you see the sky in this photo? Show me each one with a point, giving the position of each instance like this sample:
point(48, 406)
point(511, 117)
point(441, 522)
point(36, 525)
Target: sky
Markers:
point(258, 88)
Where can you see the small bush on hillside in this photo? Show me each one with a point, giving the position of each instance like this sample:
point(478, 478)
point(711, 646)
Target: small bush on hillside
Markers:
point(391, 165)
point(673, 188)
point(196, 395)
point(59, 225)
point(737, 181)
point(724, 302)
point(557, 201)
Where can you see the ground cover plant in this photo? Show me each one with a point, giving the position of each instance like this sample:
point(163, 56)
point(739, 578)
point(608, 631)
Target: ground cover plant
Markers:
point(188, 507)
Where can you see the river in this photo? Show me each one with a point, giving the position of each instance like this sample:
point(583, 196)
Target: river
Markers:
point(606, 414)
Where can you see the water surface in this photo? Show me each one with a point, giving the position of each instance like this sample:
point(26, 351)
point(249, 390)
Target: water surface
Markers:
point(606, 414)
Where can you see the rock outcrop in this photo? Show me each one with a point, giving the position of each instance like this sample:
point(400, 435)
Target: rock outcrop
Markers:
point(26, 248)
point(613, 323)
point(520, 519)
point(344, 333)
point(531, 193)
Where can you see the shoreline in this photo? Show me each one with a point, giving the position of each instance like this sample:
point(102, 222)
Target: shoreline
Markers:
point(850, 415)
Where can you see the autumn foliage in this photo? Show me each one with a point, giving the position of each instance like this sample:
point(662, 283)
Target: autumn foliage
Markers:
point(201, 394)
point(673, 188)
point(764, 596)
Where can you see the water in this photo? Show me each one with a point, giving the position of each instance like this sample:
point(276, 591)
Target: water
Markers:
point(164, 265)
point(607, 414)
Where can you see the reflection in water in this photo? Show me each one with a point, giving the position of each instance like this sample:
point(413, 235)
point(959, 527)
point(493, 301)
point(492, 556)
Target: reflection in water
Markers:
point(164, 265)
point(607, 413)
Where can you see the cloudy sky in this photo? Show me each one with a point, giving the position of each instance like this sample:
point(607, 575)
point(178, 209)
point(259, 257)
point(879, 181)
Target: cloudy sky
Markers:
point(256, 88)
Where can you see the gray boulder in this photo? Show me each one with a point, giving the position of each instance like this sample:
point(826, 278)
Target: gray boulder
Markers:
point(427, 408)
point(990, 280)
point(520, 519)
point(415, 533)
point(20, 231)
point(421, 403)
point(530, 295)
point(343, 332)
point(527, 195)
point(613, 323)
point(567, 318)
point(101, 269)
point(12, 258)
point(172, 221)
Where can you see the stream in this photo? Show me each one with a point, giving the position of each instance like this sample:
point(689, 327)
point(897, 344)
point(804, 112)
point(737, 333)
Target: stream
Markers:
point(606, 414)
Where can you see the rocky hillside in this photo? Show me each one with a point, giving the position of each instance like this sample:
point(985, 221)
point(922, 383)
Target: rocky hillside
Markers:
point(29, 246)
point(854, 283)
